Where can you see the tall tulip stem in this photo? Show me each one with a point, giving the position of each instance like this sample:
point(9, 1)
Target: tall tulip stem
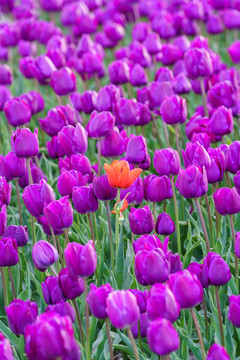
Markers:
point(203, 224)
point(12, 283)
point(235, 256)
point(99, 157)
point(110, 234)
point(219, 316)
point(198, 332)
point(209, 219)
point(139, 335)
point(177, 140)
point(19, 202)
point(79, 322)
point(130, 335)
point(176, 216)
point(88, 357)
point(109, 340)
point(30, 179)
point(117, 225)
point(91, 227)
point(4, 287)
point(204, 97)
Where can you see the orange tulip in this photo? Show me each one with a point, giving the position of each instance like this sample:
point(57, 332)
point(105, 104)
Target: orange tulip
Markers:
point(119, 174)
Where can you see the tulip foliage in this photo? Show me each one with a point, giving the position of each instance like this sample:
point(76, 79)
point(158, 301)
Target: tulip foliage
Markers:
point(119, 180)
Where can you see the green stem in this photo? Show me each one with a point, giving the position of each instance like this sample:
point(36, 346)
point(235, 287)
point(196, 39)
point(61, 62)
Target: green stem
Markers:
point(95, 228)
point(12, 283)
point(110, 234)
point(99, 157)
point(91, 228)
point(205, 316)
point(198, 332)
point(203, 224)
point(235, 256)
point(30, 179)
point(117, 225)
point(4, 287)
point(204, 97)
point(219, 316)
point(139, 335)
point(19, 202)
point(177, 141)
point(87, 320)
point(109, 339)
point(209, 219)
point(130, 335)
point(79, 322)
point(154, 211)
point(33, 229)
point(55, 245)
point(176, 216)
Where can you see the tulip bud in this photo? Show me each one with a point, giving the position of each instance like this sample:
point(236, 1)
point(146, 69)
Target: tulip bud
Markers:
point(227, 201)
point(126, 112)
point(5, 348)
point(151, 266)
point(102, 189)
point(20, 313)
point(218, 165)
point(174, 110)
point(59, 213)
point(164, 224)
point(233, 51)
point(70, 179)
point(52, 292)
point(63, 81)
point(234, 310)
point(41, 68)
point(138, 76)
point(86, 102)
point(192, 182)
point(149, 242)
point(215, 270)
point(84, 199)
point(3, 219)
point(39, 338)
point(5, 96)
point(6, 75)
point(217, 352)
point(81, 260)
point(100, 125)
point(198, 63)
point(44, 255)
point(141, 297)
point(162, 337)
point(5, 192)
point(221, 122)
point(17, 112)
point(158, 92)
point(157, 188)
point(72, 140)
point(112, 145)
point(141, 220)
point(127, 313)
point(221, 94)
point(71, 286)
point(119, 72)
point(62, 308)
point(186, 288)
point(77, 162)
point(25, 143)
point(97, 298)
point(166, 162)
point(195, 154)
point(8, 252)
point(136, 150)
point(19, 233)
point(144, 324)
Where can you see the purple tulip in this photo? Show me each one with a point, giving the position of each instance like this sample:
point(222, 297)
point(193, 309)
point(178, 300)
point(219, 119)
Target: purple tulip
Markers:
point(174, 110)
point(181, 84)
point(135, 192)
point(5, 96)
point(11, 166)
point(119, 72)
point(171, 53)
point(232, 156)
point(234, 52)
point(151, 266)
point(5, 192)
point(77, 162)
point(162, 337)
point(20, 313)
point(144, 324)
point(17, 112)
point(126, 111)
point(138, 76)
point(97, 300)
point(162, 303)
point(166, 162)
point(227, 201)
point(25, 143)
point(70, 179)
point(59, 213)
point(216, 171)
point(3, 219)
point(215, 270)
point(81, 260)
point(122, 309)
point(198, 63)
point(71, 286)
point(107, 96)
point(141, 220)
point(149, 242)
point(84, 199)
point(136, 150)
point(5, 349)
point(234, 310)
point(221, 94)
point(19, 233)
point(102, 189)
point(157, 188)
point(86, 102)
point(192, 182)
point(164, 224)
point(100, 125)
point(62, 308)
point(237, 245)
point(73, 140)
point(217, 352)
point(157, 93)
point(41, 68)
point(186, 288)
point(195, 154)
point(6, 75)
point(63, 81)
point(141, 297)
point(8, 251)
point(44, 255)
point(214, 24)
point(52, 292)
point(39, 338)
point(221, 122)
point(174, 261)
point(113, 145)
point(34, 100)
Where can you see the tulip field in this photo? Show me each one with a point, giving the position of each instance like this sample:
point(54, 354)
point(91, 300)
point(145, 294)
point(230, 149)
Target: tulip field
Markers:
point(119, 179)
